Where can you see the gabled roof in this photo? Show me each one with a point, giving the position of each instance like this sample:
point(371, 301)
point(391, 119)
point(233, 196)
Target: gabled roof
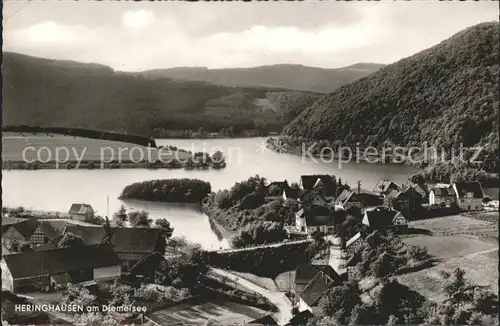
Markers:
point(25, 227)
point(310, 278)
point(80, 208)
point(444, 192)
point(379, 217)
point(91, 235)
point(53, 229)
point(309, 196)
point(474, 187)
point(267, 320)
point(315, 289)
point(308, 182)
point(319, 215)
point(123, 239)
point(39, 263)
point(139, 240)
point(384, 186)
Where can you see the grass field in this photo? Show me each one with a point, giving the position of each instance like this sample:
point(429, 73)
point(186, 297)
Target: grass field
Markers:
point(225, 313)
point(52, 148)
point(444, 247)
point(455, 223)
point(479, 260)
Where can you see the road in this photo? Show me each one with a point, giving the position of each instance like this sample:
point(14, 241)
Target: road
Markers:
point(279, 299)
point(272, 245)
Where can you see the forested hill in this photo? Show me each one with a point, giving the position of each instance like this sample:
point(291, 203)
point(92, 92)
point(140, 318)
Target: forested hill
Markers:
point(445, 95)
point(290, 76)
point(52, 93)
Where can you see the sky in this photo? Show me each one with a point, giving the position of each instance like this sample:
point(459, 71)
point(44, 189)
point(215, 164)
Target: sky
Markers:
point(137, 36)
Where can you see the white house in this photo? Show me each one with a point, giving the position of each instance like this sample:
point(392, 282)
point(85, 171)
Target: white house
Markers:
point(469, 195)
point(81, 212)
point(317, 218)
point(443, 196)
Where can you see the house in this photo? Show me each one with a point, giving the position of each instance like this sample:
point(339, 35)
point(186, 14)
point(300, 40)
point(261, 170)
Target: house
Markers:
point(52, 269)
point(267, 320)
point(407, 201)
point(348, 199)
point(383, 187)
point(381, 218)
point(443, 196)
point(17, 231)
point(469, 195)
point(130, 244)
point(318, 218)
point(81, 212)
point(310, 198)
point(324, 184)
point(323, 278)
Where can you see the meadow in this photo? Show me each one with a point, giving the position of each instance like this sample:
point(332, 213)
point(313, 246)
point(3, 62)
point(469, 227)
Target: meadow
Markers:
point(57, 151)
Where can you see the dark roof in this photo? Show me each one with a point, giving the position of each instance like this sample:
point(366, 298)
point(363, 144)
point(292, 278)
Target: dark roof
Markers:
point(301, 318)
point(309, 196)
point(53, 229)
point(444, 192)
point(140, 240)
point(39, 263)
point(25, 226)
point(380, 217)
point(405, 193)
point(344, 196)
point(474, 187)
point(267, 320)
point(80, 208)
point(305, 274)
point(385, 185)
point(309, 181)
point(319, 215)
point(123, 239)
point(147, 264)
point(90, 234)
point(315, 289)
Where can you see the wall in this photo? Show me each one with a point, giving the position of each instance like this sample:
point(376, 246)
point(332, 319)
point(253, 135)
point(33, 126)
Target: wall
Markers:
point(78, 217)
point(107, 273)
point(476, 204)
point(7, 281)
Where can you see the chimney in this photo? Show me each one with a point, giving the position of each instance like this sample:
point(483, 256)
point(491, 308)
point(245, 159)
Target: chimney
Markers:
point(359, 187)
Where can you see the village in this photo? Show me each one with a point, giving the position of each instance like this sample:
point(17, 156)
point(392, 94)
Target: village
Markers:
point(42, 256)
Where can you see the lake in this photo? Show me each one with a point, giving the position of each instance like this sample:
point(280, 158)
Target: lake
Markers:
point(56, 190)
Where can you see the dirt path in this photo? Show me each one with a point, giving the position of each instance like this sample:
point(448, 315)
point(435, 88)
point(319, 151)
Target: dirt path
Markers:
point(279, 299)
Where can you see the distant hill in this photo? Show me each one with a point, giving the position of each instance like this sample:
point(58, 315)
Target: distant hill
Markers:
point(43, 92)
point(445, 95)
point(288, 76)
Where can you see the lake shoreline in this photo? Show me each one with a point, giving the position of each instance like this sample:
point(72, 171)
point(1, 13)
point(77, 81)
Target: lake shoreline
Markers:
point(75, 165)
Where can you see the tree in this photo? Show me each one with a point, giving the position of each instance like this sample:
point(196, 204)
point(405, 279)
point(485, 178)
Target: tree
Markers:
point(120, 217)
point(164, 225)
point(455, 285)
point(389, 202)
point(70, 240)
point(139, 219)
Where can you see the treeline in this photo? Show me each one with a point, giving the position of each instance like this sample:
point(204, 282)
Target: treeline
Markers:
point(87, 133)
point(267, 262)
point(445, 96)
point(41, 93)
point(168, 190)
